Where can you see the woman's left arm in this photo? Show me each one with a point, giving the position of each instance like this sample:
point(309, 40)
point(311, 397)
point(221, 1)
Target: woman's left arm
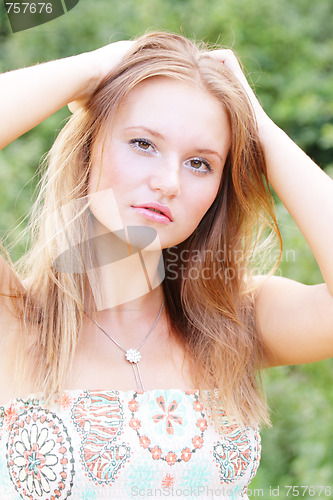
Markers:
point(305, 190)
point(295, 320)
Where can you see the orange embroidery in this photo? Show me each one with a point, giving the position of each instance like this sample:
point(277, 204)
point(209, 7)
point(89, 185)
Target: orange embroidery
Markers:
point(197, 442)
point(186, 454)
point(168, 481)
point(167, 414)
point(144, 441)
point(156, 453)
point(171, 458)
point(135, 423)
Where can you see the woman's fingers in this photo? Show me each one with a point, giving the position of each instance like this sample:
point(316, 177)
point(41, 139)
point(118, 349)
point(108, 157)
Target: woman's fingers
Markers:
point(228, 58)
point(107, 57)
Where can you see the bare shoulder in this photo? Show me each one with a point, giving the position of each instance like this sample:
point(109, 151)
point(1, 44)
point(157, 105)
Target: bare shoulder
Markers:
point(294, 320)
point(9, 329)
point(10, 286)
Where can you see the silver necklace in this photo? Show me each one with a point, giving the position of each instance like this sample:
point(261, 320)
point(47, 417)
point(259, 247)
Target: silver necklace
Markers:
point(132, 355)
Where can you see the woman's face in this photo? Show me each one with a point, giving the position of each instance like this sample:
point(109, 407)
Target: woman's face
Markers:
point(165, 151)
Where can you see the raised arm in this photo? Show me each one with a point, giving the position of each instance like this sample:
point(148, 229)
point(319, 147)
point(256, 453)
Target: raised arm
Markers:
point(295, 320)
point(29, 95)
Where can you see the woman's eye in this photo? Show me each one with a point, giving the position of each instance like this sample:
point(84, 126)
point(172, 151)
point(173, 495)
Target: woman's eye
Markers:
point(196, 163)
point(199, 165)
point(142, 145)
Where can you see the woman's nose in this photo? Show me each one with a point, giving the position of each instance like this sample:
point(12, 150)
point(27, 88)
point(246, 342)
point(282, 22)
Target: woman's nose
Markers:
point(166, 178)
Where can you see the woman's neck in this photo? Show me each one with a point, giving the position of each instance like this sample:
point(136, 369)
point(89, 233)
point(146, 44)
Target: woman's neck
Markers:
point(124, 273)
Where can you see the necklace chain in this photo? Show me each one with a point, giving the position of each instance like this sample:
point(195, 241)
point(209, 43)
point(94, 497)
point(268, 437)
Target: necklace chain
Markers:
point(132, 355)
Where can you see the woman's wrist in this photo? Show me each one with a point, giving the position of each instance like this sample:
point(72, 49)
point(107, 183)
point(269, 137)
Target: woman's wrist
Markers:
point(95, 66)
point(266, 127)
point(87, 75)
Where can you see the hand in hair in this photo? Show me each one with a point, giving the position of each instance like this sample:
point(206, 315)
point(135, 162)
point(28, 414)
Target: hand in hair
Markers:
point(103, 60)
point(228, 58)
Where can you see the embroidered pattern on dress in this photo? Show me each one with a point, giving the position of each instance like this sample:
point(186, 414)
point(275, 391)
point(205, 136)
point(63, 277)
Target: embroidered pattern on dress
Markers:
point(2, 415)
point(180, 447)
point(256, 455)
point(169, 416)
point(168, 481)
point(99, 418)
point(40, 457)
point(197, 477)
point(9, 417)
point(235, 454)
point(142, 475)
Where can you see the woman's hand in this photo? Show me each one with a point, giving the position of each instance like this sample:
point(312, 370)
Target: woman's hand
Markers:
point(228, 58)
point(101, 61)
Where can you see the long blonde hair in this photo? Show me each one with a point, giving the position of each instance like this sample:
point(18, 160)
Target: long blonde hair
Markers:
point(212, 313)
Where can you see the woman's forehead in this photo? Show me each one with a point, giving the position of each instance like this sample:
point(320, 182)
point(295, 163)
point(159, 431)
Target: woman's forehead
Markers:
point(171, 104)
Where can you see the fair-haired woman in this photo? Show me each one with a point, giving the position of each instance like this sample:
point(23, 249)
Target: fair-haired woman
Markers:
point(134, 329)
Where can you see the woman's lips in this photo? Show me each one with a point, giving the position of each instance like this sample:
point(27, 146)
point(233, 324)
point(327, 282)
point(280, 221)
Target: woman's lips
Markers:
point(150, 214)
point(154, 211)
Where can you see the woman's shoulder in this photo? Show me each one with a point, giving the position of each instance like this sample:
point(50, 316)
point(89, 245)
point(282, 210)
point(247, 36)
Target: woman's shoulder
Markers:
point(10, 283)
point(10, 326)
point(11, 293)
point(9, 333)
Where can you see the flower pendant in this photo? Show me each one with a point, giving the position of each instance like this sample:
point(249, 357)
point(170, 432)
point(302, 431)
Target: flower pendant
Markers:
point(133, 356)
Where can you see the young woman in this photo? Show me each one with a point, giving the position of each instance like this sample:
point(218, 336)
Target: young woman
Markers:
point(134, 330)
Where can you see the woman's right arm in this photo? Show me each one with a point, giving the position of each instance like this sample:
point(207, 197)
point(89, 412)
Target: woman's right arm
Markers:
point(29, 95)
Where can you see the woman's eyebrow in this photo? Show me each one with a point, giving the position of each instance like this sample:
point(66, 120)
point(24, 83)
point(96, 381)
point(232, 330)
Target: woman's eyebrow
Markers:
point(148, 130)
point(210, 152)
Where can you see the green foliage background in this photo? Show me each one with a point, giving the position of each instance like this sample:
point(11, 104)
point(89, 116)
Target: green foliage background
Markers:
point(287, 49)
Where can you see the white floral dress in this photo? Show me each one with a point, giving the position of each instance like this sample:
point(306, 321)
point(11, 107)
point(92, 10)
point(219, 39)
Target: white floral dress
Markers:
point(119, 445)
